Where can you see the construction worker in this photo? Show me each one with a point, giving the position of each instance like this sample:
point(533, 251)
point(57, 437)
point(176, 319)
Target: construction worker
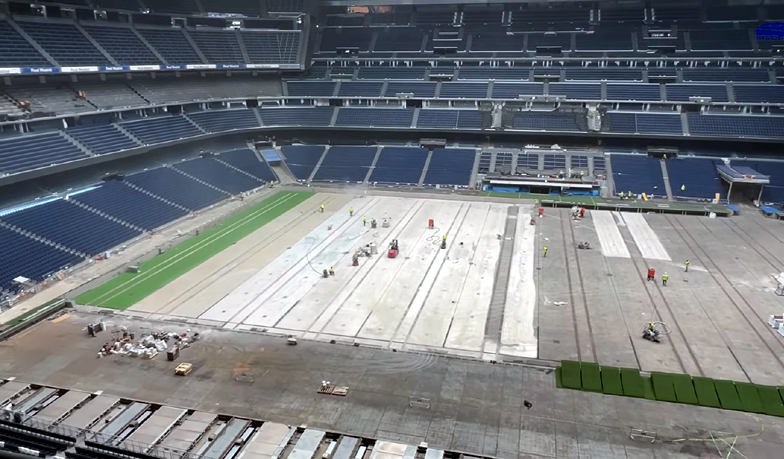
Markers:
point(664, 279)
point(683, 187)
point(621, 195)
point(687, 265)
point(545, 251)
point(364, 220)
point(322, 208)
point(331, 271)
point(351, 211)
point(651, 326)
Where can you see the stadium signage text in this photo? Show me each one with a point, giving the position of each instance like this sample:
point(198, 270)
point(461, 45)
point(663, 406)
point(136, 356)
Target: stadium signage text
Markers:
point(770, 31)
point(139, 68)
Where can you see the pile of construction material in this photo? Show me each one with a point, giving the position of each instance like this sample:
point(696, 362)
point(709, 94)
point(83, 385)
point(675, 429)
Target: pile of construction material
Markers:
point(148, 345)
point(777, 321)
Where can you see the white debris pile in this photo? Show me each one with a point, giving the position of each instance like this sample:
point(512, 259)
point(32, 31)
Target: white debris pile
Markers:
point(149, 345)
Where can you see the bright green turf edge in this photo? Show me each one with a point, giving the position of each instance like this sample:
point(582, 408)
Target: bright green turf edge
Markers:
point(127, 289)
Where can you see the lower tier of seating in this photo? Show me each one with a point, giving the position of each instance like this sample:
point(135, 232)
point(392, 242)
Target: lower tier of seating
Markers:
point(27, 257)
point(248, 162)
point(217, 174)
point(637, 174)
point(450, 166)
point(302, 159)
point(399, 165)
point(346, 164)
point(176, 187)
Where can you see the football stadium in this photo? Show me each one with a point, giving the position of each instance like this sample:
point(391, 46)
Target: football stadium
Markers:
point(300, 229)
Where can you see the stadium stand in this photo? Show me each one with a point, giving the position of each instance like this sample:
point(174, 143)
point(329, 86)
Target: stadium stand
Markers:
point(72, 226)
point(450, 166)
point(115, 198)
point(398, 73)
point(246, 161)
point(171, 44)
point(755, 126)
point(59, 99)
point(103, 138)
point(34, 151)
point(64, 43)
point(378, 117)
point(345, 164)
point(225, 120)
point(528, 161)
point(417, 89)
point(218, 46)
point(302, 159)
point(360, 89)
point(311, 88)
point(17, 51)
point(173, 186)
point(682, 92)
point(271, 47)
point(108, 95)
point(512, 90)
point(210, 171)
point(30, 258)
point(698, 177)
point(122, 44)
point(399, 165)
point(311, 116)
point(554, 161)
point(637, 174)
point(545, 121)
point(163, 129)
point(774, 192)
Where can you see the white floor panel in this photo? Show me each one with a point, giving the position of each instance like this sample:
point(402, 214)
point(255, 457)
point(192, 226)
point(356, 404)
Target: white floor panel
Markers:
point(646, 239)
point(610, 238)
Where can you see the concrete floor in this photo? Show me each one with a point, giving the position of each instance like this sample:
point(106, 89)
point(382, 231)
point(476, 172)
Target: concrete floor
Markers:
point(592, 305)
point(425, 299)
point(474, 406)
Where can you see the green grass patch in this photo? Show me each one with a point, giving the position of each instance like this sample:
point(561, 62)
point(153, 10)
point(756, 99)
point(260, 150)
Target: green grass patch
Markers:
point(128, 289)
point(706, 392)
point(662, 387)
point(611, 381)
point(558, 382)
point(592, 380)
point(684, 389)
point(749, 397)
point(647, 387)
point(771, 400)
point(570, 374)
point(632, 383)
point(728, 395)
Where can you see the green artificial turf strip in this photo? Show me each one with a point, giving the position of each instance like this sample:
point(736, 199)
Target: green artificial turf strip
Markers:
point(771, 400)
point(127, 289)
point(647, 385)
point(728, 395)
point(632, 383)
point(611, 381)
point(684, 389)
point(706, 392)
point(570, 374)
point(749, 397)
point(592, 380)
point(662, 387)
point(558, 382)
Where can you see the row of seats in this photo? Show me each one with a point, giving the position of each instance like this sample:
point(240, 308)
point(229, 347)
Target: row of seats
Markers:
point(100, 218)
point(67, 45)
point(523, 73)
point(760, 93)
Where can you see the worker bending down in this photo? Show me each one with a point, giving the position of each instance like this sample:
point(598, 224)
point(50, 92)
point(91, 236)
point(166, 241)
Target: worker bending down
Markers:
point(544, 251)
point(664, 279)
point(331, 271)
point(351, 211)
point(322, 208)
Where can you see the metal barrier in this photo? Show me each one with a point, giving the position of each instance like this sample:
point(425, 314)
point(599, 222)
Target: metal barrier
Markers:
point(118, 446)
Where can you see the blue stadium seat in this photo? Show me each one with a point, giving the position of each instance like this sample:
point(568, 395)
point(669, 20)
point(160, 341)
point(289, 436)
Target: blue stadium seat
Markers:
point(637, 174)
point(26, 257)
point(218, 175)
point(18, 52)
point(644, 123)
point(271, 47)
point(375, 117)
point(310, 116)
point(599, 164)
point(443, 119)
point(471, 119)
point(579, 162)
point(176, 187)
point(218, 46)
point(399, 39)
point(302, 159)
point(417, 89)
point(581, 91)
point(633, 92)
point(311, 88)
point(554, 161)
point(164, 129)
point(225, 120)
point(463, 90)
point(512, 90)
point(528, 161)
point(123, 45)
point(697, 175)
point(774, 192)
point(360, 89)
point(399, 165)
point(494, 73)
point(725, 74)
point(545, 121)
point(103, 138)
point(72, 226)
point(753, 126)
point(64, 43)
point(333, 38)
point(382, 72)
point(682, 92)
point(129, 205)
point(346, 164)
point(605, 73)
point(172, 45)
point(247, 161)
point(32, 152)
point(496, 40)
point(450, 166)
point(759, 93)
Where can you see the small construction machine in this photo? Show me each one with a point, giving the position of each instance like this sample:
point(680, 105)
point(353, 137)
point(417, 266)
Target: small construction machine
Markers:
point(394, 249)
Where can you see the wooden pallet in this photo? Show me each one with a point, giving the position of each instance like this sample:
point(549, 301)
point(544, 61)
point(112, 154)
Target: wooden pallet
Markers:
point(333, 390)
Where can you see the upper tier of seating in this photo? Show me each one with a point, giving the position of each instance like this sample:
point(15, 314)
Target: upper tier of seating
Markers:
point(164, 129)
point(71, 44)
point(219, 175)
point(247, 161)
point(32, 152)
point(102, 139)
